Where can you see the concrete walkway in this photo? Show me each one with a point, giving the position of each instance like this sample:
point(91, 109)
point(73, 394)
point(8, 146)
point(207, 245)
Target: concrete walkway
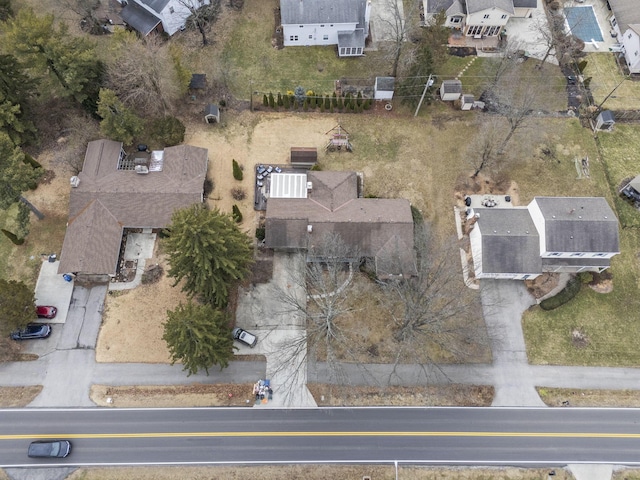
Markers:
point(70, 350)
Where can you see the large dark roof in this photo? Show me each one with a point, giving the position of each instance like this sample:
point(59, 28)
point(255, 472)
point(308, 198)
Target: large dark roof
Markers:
point(304, 12)
point(139, 18)
point(377, 227)
point(510, 241)
point(627, 13)
point(579, 224)
point(107, 200)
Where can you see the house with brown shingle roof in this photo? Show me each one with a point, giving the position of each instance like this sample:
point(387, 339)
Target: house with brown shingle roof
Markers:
point(111, 194)
point(380, 229)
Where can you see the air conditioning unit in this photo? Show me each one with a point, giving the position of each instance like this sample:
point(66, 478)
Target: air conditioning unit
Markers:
point(142, 169)
point(75, 181)
point(309, 228)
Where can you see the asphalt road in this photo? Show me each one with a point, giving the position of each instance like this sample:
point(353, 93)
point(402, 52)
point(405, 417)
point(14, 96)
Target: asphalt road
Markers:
point(513, 436)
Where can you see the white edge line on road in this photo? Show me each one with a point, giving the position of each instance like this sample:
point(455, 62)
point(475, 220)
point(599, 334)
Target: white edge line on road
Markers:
point(541, 463)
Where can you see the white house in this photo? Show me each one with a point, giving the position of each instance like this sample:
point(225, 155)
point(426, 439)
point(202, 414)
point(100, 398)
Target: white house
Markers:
point(167, 16)
point(551, 234)
point(625, 20)
point(344, 23)
point(480, 18)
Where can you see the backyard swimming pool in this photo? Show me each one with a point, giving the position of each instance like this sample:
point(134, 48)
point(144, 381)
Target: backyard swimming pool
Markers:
point(583, 23)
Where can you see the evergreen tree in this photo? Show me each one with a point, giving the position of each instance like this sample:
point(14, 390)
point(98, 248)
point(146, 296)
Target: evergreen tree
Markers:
point(272, 102)
point(265, 100)
point(285, 102)
point(334, 100)
point(51, 50)
point(359, 99)
point(410, 90)
point(16, 175)
point(237, 214)
point(237, 171)
point(327, 102)
point(208, 251)
point(17, 306)
point(16, 92)
point(340, 103)
point(199, 337)
point(118, 122)
point(280, 102)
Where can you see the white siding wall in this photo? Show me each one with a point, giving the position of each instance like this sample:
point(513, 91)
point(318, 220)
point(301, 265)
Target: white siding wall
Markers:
point(631, 42)
point(476, 22)
point(298, 35)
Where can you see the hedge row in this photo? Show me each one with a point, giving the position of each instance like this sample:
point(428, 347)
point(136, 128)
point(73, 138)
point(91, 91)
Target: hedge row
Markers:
point(310, 100)
point(570, 291)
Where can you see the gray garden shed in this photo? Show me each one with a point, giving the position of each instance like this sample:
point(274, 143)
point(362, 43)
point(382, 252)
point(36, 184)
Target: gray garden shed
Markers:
point(212, 113)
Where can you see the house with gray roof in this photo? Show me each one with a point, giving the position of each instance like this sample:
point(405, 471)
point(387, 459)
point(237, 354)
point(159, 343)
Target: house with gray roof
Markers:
point(380, 229)
point(625, 20)
point(551, 234)
point(479, 18)
point(344, 23)
point(169, 16)
point(114, 192)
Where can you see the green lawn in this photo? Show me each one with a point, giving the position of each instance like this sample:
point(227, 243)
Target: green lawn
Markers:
point(620, 148)
point(605, 78)
point(609, 321)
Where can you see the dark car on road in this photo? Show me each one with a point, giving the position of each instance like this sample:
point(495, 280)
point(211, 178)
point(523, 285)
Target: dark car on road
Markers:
point(245, 337)
point(33, 330)
point(49, 449)
point(46, 311)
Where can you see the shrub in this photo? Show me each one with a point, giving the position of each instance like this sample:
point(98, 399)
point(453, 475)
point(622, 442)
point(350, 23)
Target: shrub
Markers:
point(585, 277)
point(168, 130)
point(237, 171)
point(570, 291)
point(582, 65)
point(237, 215)
point(260, 233)
point(238, 193)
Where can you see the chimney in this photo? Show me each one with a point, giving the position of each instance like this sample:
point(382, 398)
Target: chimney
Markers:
point(367, 17)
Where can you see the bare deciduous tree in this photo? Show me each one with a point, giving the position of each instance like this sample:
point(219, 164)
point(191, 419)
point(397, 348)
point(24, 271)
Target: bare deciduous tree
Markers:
point(434, 314)
point(397, 22)
point(482, 151)
point(202, 16)
point(142, 73)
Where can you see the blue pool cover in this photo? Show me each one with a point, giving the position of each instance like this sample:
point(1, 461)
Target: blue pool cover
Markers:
point(583, 24)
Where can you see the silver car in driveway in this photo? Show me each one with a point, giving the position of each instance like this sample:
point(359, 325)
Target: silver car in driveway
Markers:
point(245, 337)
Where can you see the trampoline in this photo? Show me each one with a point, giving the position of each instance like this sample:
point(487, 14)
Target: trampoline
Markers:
point(583, 23)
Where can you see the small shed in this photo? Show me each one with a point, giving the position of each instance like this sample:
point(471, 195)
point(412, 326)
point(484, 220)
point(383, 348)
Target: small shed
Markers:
point(450, 90)
point(605, 121)
point(467, 102)
point(304, 157)
point(383, 88)
point(212, 113)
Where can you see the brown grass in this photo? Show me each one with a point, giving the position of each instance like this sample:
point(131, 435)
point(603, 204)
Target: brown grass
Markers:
point(12, 397)
point(438, 395)
point(169, 396)
point(553, 397)
point(318, 472)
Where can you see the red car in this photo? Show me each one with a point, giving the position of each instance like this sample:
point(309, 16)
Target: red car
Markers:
point(44, 311)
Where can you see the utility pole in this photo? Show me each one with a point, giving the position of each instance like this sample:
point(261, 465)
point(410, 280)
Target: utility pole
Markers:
point(424, 92)
point(611, 93)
